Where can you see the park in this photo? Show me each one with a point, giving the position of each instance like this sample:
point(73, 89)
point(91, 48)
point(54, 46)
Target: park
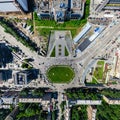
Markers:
point(60, 74)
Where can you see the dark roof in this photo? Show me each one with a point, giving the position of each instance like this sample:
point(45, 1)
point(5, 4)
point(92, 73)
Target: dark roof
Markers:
point(84, 45)
point(75, 16)
point(1, 76)
point(114, 1)
point(45, 15)
point(47, 96)
point(9, 94)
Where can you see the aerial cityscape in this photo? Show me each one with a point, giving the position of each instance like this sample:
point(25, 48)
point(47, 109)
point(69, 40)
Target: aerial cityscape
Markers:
point(59, 59)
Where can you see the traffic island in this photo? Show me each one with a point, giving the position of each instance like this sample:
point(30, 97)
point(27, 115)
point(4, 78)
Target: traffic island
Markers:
point(60, 74)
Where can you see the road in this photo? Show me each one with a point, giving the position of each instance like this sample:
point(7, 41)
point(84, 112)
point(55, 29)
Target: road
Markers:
point(26, 50)
point(86, 58)
point(100, 46)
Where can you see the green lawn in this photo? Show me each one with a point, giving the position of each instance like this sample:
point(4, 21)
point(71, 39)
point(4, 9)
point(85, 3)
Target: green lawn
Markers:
point(46, 31)
point(66, 52)
point(60, 74)
point(53, 53)
point(94, 80)
point(100, 62)
point(45, 26)
point(99, 70)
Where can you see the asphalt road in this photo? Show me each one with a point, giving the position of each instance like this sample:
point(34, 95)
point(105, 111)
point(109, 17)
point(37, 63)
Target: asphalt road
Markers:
point(98, 48)
point(85, 57)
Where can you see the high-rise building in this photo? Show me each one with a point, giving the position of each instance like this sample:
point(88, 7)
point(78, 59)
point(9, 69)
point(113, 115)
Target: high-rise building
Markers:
point(13, 6)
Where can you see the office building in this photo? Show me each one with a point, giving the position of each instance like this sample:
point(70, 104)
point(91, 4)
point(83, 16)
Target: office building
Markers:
point(21, 78)
point(24, 77)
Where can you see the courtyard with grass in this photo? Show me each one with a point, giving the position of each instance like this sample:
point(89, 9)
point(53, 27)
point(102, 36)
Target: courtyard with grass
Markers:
point(98, 74)
point(60, 74)
point(45, 26)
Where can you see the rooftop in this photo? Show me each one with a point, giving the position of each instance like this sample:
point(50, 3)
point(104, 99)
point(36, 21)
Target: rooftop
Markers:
point(13, 5)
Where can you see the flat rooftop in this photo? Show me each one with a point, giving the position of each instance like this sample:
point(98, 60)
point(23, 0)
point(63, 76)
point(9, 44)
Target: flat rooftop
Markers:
point(84, 45)
point(13, 5)
point(8, 7)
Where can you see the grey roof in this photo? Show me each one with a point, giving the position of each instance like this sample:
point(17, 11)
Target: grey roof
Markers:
point(6, 0)
point(8, 7)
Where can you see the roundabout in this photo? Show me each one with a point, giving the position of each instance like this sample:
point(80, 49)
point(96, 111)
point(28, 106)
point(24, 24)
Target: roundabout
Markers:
point(60, 74)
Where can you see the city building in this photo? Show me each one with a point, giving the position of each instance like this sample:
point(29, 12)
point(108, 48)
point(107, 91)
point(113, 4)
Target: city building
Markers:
point(9, 97)
point(21, 78)
point(111, 101)
point(43, 100)
point(61, 10)
point(60, 44)
point(24, 77)
point(5, 75)
point(9, 6)
point(5, 55)
point(91, 111)
point(116, 65)
point(85, 102)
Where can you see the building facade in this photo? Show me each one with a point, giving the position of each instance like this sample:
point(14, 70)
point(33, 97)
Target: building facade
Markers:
point(61, 10)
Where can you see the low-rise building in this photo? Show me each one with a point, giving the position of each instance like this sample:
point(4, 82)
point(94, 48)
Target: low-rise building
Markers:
point(112, 101)
point(9, 98)
point(85, 102)
point(30, 100)
point(91, 112)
